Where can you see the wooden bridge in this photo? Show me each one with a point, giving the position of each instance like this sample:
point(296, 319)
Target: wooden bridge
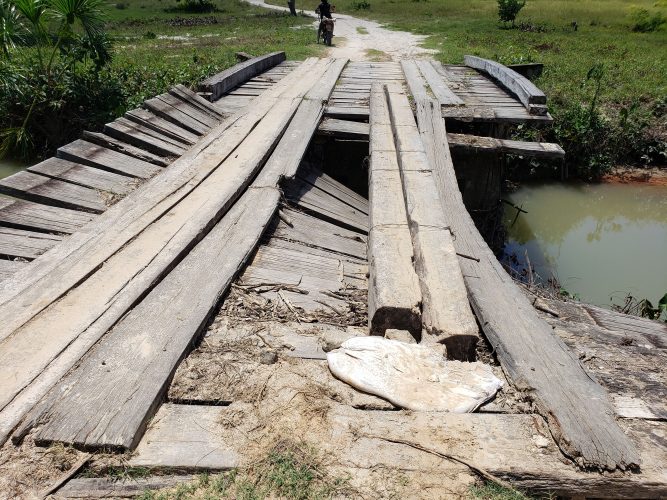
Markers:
point(197, 209)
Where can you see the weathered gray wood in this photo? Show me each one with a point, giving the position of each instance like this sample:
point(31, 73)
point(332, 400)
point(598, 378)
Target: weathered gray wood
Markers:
point(344, 129)
point(36, 217)
point(123, 147)
point(33, 187)
point(168, 216)
point(347, 112)
point(440, 89)
point(109, 399)
point(83, 175)
point(653, 331)
point(194, 99)
point(223, 82)
point(516, 448)
point(199, 115)
point(523, 88)
point(577, 408)
point(93, 155)
point(25, 244)
point(143, 138)
point(162, 126)
point(335, 189)
point(522, 148)
point(446, 314)
point(9, 267)
point(394, 296)
point(176, 116)
point(113, 487)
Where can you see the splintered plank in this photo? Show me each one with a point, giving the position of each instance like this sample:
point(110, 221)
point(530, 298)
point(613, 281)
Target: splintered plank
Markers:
point(139, 248)
point(335, 189)
point(25, 244)
point(522, 148)
point(109, 399)
point(123, 147)
point(37, 217)
point(196, 113)
point(523, 88)
point(440, 89)
point(83, 175)
point(393, 290)
point(162, 126)
point(446, 314)
point(576, 407)
point(194, 99)
point(144, 138)
point(344, 129)
point(33, 187)
point(176, 116)
point(223, 82)
point(90, 154)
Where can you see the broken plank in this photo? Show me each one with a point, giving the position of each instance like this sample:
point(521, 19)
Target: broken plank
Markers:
point(521, 148)
point(162, 126)
point(176, 116)
point(37, 217)
point(25, 244)
point(577, 408)
point(223, 82)
point(90, 154)
point(343, 129)
point(38, 188)
point(83, 175)
point(334, 188)
point(191, 111)
point(114, 487)
point(143, 138)
point(194, 99)
point(123, 147)
point(436, 83)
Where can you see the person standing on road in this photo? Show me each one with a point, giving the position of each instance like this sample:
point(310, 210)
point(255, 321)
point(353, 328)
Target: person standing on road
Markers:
point(324, 10)
point(292, 7)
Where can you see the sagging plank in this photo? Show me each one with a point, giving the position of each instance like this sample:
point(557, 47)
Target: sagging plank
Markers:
point(436, 83)
point(123, 147)
point(9, 267)
point(25, 244)
point(175, 116)
point(344, 129)
point(90, 154)
point(83, 175)
point(521, 148)
point(108, 401)
point(394, 297)
point(38, 188)
point(515, 448)
point(162, 126)
point(446, 314)
point(194, 99)
point(519, 85)
point(576, 407)
point(334, 188)
point(196, 113)
point(144, 138)
point(225, 81)
point(166, 228)
point(44, 218)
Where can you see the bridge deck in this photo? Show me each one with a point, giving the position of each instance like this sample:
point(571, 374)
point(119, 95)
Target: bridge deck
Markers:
point(212, 218)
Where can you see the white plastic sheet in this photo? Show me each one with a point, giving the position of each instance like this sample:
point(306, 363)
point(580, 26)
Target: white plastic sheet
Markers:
point(413, 376)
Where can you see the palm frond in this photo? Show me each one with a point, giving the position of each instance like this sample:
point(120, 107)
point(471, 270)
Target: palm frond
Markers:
point(33, 11)
point(87, 13)
point(11, 29)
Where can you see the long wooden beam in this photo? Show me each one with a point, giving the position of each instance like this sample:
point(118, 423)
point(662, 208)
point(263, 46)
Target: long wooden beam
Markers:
point(578, 410)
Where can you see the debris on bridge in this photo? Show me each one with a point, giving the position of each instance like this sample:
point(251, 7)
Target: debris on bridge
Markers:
point(173, 286)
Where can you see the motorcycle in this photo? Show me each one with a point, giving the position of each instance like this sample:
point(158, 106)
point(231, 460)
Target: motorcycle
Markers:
point(326, 31)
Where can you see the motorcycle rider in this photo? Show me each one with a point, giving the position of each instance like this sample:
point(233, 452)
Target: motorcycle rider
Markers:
point(324, 10)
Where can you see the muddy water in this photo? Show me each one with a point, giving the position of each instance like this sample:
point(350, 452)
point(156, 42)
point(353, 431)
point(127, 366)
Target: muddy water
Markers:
point(9, 167)
point(600, 241)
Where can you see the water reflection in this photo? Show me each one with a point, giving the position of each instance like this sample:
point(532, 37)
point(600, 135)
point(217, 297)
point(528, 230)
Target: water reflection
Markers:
point(600, 241)
point(9, 167)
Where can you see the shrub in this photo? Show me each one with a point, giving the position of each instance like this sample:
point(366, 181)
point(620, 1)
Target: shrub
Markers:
point(362, 5)
point(195, 6)
point(509, 9)
point(646, 22)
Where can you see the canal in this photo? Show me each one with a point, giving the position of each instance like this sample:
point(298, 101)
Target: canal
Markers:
point(600, 241)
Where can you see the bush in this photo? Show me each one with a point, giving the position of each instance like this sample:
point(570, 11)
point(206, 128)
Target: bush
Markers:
point(194, 6)
point(646, 22)
point(362, 5)
point(508, 9)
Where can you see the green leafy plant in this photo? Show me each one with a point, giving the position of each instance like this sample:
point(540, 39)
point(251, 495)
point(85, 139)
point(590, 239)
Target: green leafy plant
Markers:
point(509, 9)
point(362, 5)
point(198, 6)
point(646, 22)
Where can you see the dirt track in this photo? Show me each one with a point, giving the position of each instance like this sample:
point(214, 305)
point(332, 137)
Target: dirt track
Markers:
point(354, 37)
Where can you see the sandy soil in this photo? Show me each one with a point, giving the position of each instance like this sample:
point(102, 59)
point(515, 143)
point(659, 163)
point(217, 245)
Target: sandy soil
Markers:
point(629, 175)
point(349, 42)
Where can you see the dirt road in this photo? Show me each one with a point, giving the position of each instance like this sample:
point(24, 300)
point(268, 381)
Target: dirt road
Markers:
point(361, 40)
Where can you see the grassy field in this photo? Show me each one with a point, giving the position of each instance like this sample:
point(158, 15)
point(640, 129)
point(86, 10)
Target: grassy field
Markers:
point(155, 48)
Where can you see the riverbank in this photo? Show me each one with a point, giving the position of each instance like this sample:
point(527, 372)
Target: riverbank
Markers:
point(641, 176)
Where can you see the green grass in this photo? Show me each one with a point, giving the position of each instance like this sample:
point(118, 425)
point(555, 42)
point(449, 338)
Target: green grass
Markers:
point(490, 491)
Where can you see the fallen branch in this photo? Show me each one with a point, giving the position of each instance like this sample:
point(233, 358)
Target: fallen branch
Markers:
point(66, 477)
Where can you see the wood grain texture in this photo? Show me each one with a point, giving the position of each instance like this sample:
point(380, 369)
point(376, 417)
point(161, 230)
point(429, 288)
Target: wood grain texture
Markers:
point(437, 85)
point(112, 487)
point(83, 175)
point(93, 155)
point(25, 244)
point(44, 218)
point(506, 146)
point(119, 146)
point(144, 138)
point(577, 408)
point(9, 267)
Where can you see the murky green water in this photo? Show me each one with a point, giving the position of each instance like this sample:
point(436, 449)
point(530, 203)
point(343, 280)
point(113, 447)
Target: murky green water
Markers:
point(9, 167)
point(600, 241)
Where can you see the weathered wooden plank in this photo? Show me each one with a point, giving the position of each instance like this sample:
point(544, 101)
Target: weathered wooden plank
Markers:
point(9, 267)
point(162, 126)
point(440, 89)
point(90, 154)
point(33, 187)
point(347, 112)
point(394, 296)
point(83, 175)
point(161, 224)
point(123, 147)
point(36, 217)
point(176, 116)
point(194, 99)
point(522, 148)
point(344, 129)
point(114, 487)
point(577, 408)
point(109, 399)
point(25, 244)
point(199, 115)
point(223, 82)
point(144, 138)
point(335, 189)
